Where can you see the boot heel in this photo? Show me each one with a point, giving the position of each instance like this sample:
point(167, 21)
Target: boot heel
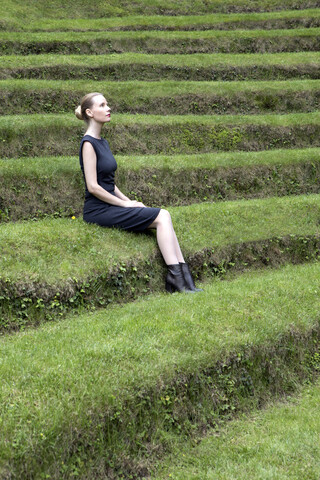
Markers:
point(169, 287)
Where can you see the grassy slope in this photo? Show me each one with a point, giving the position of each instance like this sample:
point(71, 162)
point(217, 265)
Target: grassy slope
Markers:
point(280, 442)
point(167, 97)
point(134, 90)
point(73, 379)
point(200, 60)
point(18, 12)
point(60, 134)
point(10, 124)
point(54, 166)
point(37, 187)
point(27, 37)
point(30, 250)
point(167, 22)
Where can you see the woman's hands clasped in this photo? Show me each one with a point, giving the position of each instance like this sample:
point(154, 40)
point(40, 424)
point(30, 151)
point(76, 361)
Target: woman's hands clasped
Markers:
point(133, 203)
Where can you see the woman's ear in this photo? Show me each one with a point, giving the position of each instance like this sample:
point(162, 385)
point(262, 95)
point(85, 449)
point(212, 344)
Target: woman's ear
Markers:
point(89, 113)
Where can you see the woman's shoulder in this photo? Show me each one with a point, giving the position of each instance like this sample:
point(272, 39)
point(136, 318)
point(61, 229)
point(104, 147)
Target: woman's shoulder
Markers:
point(93, 140)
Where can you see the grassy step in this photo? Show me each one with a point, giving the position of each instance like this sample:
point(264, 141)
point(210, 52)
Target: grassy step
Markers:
point(280, 442)
point(56, 264)
point(164, 97)
point(139, 66)
point(16, 14)
point(240, 41)
point(51, 134)
point(37, 187)
point(268, 20)
point(102, 395)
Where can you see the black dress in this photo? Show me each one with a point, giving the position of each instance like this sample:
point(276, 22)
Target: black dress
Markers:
point(105, 214)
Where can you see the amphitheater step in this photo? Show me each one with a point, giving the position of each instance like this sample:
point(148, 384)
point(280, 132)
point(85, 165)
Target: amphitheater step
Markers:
point(94, 393)
point(43, 15)
point(140, 66)
point(279, 442)
point(55, 265)
point(38, 135)
point(257, 41)
point(164, 97)
point(285, 19)
point(37, 187)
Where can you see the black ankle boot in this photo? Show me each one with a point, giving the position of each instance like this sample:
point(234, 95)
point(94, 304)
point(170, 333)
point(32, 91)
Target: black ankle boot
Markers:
point(188, 278)
point(175, 280)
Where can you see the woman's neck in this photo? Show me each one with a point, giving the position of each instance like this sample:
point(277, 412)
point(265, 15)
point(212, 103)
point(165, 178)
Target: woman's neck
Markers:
point(94, 131)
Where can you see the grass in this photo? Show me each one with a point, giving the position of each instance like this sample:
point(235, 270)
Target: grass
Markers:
point(217, 20)
point(22, 123)
point(87, 388)
point(200, 60)
point(30, 249)
point(36, 187)
point(241, 41)
point(16, 13)
point(39, 37)
point(164, 97)
point(53, 166)
point(280, 442)
point(100, 266)
point(139, 66)
point(131, 91)
point(54, 134)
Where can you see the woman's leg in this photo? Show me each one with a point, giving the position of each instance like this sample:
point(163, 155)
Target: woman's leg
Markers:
point(167, 239)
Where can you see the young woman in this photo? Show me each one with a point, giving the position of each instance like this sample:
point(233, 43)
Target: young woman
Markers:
point(107, 206)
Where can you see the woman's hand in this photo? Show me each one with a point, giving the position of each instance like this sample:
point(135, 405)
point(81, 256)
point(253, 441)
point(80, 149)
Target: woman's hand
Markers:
point(133, 203)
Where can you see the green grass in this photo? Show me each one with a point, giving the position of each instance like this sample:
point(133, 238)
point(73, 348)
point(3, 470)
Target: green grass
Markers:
point(164, 97)
point(54, 166)
point(200, 60)
point(35, 37)
point(36, 187)
point(132, 91)
point(15, 13)
point(54, 134)
point(23, 123)
point(139, 66)
point(241, 41)
point(30, 249)
point(87, 388)
point(246, 20)
point(280, 442)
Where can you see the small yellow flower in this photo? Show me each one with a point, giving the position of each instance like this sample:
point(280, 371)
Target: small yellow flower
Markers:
point(73, 217)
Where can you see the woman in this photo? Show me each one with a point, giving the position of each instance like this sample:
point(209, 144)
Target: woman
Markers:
point(107, 206)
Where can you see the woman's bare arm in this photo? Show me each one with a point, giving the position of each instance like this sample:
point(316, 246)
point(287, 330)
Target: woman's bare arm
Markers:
point(120, 194)
point(90, 171)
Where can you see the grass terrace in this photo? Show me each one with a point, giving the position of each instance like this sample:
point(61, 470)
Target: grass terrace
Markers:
point(106, 394)
point(279, 442)
point(130, 66)
point(215, 116)
point(97, 265)
point(35, 135)
point(292, 40)
point(164, 97)
point(14, 13)
point(276, 19)
point(37, 187)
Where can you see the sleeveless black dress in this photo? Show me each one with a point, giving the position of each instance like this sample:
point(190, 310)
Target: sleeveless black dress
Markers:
point(135, 219)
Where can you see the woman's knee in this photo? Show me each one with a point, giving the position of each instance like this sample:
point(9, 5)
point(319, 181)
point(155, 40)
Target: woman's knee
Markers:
point(164, 216)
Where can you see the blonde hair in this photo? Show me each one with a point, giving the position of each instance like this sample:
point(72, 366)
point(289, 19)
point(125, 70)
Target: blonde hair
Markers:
point(86, 102)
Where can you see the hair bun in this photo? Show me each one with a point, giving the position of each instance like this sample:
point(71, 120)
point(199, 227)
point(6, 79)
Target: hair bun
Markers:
point(78, 113)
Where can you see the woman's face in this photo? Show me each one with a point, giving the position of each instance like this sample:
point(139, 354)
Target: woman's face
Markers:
point(99, 111)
